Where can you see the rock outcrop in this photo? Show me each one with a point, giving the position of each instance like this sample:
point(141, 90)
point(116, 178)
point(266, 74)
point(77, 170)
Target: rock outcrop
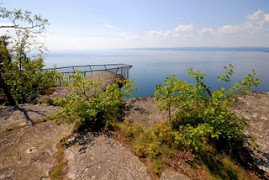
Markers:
point(28, 144)
point(101, 157)
point(255, 108)
point(27, 153)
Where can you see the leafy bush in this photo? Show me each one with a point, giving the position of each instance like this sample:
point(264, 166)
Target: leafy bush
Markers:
point(200, 124)
point(90, 106)
point(202, 116)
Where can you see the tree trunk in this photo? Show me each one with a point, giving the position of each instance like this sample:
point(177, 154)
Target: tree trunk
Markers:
point(5, 88)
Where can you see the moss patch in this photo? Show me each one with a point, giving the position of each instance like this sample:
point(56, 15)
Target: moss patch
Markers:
point(57, 173)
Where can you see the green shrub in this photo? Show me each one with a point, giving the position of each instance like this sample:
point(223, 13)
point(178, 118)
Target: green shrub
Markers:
point(200, 121)
point(202, 116)
point(88, 106)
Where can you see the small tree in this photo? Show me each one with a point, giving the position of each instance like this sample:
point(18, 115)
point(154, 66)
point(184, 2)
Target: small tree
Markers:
point(5, 58)
point(20, 75)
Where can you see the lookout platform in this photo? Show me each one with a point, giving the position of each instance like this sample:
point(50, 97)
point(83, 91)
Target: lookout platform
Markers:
point(120, 69)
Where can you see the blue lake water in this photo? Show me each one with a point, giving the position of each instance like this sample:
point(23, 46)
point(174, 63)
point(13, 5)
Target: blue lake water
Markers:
point(151, 66)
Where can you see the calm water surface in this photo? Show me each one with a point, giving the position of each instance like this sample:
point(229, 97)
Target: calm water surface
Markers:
point(151, 66)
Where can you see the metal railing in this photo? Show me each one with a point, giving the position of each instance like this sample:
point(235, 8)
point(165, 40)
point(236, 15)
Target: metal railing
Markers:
point(122, 69)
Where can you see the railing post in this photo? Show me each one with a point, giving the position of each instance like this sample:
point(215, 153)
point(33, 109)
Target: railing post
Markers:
point(127, 73)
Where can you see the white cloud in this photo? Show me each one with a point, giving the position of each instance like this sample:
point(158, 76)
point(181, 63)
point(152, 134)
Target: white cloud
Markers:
point(206, 30)
point(184, 28)
point(266, 17)
point(109, 26)
point(229, 29)
point(159, 34)
point(253, 31)
point(257, 22)
point(255, 16)
point(128, 36)
point(179, 31)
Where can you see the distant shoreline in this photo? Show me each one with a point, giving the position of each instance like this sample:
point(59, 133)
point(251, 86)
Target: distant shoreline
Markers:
point(252, 49)
point(240, 49)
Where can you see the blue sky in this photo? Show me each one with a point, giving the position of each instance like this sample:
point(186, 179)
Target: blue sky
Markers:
point(99, 24)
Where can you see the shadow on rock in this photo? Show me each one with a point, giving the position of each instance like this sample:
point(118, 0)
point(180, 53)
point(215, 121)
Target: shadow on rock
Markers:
point(84, 139)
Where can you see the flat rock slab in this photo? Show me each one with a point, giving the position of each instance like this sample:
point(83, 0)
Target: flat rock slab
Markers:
point(27, 153)
point(102, 158)
point(24, 114)
point(144, 111)
point(170, 174)
point(255, 108)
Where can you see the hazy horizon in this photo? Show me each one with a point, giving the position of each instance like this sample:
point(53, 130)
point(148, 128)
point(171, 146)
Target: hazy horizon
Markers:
point(194, 48)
